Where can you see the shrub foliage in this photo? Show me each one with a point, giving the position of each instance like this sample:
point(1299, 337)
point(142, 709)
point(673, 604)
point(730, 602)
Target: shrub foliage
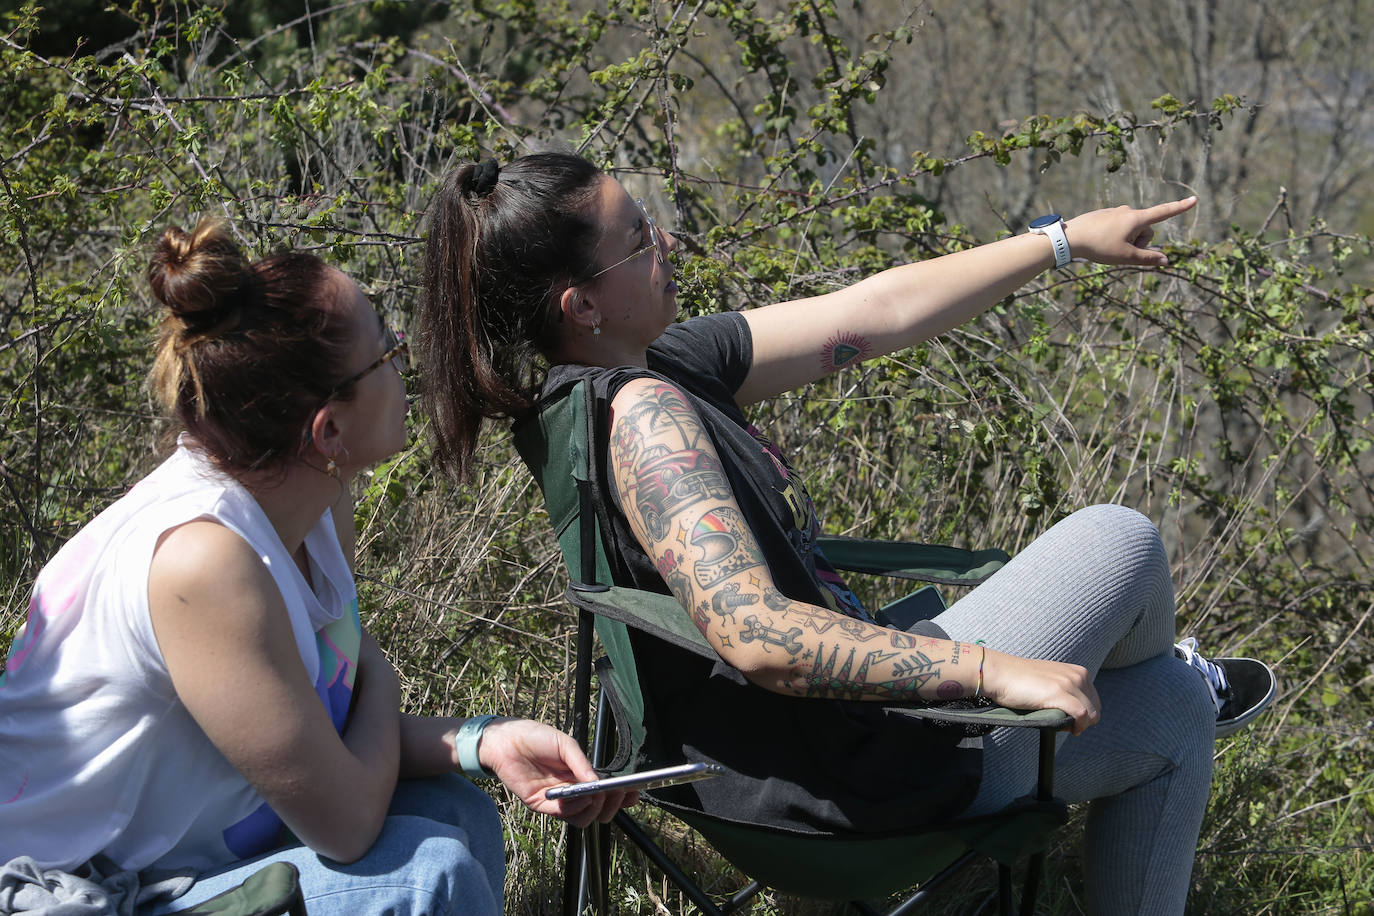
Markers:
point(1226, 396)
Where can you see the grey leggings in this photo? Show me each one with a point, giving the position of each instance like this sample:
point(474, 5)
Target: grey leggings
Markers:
point(1095, 590)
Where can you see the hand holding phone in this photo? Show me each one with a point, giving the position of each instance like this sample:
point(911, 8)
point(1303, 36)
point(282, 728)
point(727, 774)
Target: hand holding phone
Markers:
point(647, 779)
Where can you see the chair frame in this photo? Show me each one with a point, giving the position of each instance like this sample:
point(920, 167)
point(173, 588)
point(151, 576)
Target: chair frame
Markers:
point(588, 850)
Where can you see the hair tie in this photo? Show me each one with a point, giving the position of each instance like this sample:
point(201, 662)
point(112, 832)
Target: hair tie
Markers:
point(484, 176)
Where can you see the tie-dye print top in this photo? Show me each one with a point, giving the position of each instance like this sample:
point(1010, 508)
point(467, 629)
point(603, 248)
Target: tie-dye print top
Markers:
point(97, 754)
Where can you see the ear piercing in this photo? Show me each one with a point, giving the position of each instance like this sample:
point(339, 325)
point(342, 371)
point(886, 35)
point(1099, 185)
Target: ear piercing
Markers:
point(332, 468)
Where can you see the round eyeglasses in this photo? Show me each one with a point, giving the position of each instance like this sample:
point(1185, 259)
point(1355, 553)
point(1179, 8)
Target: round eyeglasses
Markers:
point(656, 243)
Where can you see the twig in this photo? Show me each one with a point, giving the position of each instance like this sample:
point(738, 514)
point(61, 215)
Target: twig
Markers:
point(1326, 664)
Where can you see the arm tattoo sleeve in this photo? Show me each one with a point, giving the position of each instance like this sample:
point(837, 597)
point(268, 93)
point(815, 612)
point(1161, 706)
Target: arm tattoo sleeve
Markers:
point(680, 504)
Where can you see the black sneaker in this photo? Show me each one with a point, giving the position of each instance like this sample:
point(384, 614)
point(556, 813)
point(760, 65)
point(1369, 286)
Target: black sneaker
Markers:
point(1241, 688)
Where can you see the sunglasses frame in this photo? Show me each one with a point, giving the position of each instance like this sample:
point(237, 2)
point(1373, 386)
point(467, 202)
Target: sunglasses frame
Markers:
point(655, 242)
point(398, 352)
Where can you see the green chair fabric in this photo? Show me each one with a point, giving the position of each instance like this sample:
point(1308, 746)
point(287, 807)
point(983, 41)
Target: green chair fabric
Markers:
point(859, 867)
point(273, 890)
point(923, 562)
point(831, 867)
point(555, 444)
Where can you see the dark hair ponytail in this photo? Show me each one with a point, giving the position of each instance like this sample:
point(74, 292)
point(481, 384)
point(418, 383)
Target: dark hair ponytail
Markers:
point(503, 243)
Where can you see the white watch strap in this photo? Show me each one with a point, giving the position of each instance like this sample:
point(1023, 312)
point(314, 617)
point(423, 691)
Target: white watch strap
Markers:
point(1055, 233)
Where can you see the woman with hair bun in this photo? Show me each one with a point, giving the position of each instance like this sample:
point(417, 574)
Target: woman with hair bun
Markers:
point(545, 272)
point(192, 687)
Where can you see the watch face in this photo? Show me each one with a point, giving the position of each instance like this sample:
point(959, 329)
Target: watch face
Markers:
point(1049, 219)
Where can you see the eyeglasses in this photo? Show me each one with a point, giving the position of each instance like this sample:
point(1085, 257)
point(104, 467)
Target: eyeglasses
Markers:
point(656, 242)
point(397, 352)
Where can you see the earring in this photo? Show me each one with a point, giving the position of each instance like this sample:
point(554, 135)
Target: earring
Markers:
point(332, 469)
point(596, 329)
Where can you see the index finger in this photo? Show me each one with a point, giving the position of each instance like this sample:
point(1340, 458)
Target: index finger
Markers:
point(1160, 212)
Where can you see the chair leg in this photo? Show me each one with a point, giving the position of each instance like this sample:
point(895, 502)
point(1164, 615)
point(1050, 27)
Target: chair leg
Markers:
point(933, 883)
point(585, 878)
point(741, 897)
point(595, 882)
point(596, 852)
point(1044, 791)
point(575, 889)
point(1034, 869)
point(574, 877)
point(676, 875)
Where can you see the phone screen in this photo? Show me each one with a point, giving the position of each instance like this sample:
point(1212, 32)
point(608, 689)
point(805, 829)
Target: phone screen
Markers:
point(647, 779)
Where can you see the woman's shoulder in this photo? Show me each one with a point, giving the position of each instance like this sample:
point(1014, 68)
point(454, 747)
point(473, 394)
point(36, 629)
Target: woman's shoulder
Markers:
point(203, 557)
point(710, 352)
point(725, 332)
point(706, 357)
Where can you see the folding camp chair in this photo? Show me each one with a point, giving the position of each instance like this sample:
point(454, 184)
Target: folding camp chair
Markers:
point(273, 890)
point(556, 444)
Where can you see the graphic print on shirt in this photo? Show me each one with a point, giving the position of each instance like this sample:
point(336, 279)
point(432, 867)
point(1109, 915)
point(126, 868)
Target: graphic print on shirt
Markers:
point(24, 640)
point(338, 644)
point(49, 601)
point(806, 528)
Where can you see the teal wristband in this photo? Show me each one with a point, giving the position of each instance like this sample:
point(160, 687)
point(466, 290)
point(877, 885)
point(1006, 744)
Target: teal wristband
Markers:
point(465, 742)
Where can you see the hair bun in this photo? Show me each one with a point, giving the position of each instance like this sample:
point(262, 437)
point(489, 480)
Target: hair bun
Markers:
point(483, 177)
point(197, 274)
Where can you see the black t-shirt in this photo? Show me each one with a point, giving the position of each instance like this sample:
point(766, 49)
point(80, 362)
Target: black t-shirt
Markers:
point(799, 763)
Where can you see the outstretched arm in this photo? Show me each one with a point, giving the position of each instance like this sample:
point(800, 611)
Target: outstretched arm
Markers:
point(679, 503)
point(800, 341)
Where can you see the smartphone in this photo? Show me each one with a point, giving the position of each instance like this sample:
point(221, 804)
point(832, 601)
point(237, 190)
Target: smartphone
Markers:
point(647, 779)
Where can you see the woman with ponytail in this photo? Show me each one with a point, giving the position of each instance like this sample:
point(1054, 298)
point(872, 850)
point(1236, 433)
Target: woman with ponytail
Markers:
point(545, 272)
point(192, 688)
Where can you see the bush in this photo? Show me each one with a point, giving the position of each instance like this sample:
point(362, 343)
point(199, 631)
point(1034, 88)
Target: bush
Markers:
point(1226, 396)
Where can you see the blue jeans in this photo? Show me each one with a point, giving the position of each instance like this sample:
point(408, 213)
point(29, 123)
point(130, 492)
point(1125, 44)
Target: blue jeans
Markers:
point(440, 851)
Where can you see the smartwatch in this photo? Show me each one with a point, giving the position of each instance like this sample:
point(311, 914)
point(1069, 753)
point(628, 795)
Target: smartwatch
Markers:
point(1051, 225)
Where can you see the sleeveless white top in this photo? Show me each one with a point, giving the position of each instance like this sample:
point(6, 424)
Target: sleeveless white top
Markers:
point(97, 754)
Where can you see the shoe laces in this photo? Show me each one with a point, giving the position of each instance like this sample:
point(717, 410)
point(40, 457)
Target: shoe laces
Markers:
point(1217, 684)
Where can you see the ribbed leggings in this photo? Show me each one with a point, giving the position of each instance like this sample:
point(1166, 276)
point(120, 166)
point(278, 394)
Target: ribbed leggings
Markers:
point(1095, 590)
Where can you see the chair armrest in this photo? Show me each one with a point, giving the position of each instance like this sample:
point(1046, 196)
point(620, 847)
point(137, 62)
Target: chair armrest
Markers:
point(662, 616)
point(907, 560)
point(659, 615)
point(990, 716)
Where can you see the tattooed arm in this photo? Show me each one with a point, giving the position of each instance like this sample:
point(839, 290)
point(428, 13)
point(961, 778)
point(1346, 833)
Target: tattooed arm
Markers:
point(671, 484)
point(800, 341)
